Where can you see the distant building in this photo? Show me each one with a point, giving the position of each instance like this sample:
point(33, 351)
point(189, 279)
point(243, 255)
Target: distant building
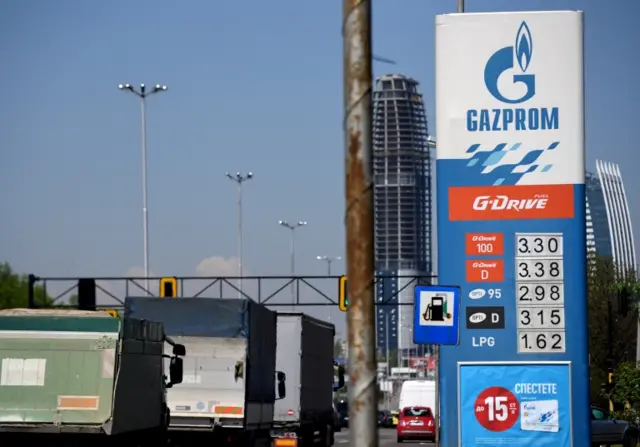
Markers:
point(402, 203)
point(402, 176)
point(609, 228)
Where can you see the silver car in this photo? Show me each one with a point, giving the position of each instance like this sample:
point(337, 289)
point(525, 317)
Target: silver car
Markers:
point(607, 431)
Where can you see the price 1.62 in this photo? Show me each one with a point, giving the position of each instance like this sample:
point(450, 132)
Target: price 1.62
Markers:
point(541, 293)
point(534, 342)
point(539, 269)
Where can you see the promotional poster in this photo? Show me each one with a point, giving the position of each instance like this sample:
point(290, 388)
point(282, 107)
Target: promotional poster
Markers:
point(515, 404)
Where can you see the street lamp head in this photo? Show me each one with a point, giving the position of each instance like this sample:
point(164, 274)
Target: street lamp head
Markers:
point(301, 223)
point(125, 87)
point(250, 175)
point(160, 88)
point(321, 258)
point(282, 222)
point(229, 175)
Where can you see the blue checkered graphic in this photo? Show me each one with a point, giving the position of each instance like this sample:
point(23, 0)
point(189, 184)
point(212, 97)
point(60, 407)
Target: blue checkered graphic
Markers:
point(483, 167)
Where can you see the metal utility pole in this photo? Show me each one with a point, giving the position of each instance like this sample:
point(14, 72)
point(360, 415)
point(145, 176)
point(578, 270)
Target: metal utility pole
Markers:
point(363, 390)
point(460, 6)
point(142, 93)
point(239, 179)
point(329, 260)
point(293, 227)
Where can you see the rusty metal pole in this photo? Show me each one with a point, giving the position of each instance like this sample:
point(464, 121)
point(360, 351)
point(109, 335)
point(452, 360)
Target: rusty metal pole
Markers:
point(358, 79)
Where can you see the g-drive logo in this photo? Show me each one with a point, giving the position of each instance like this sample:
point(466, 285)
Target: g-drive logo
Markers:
point(512, 63)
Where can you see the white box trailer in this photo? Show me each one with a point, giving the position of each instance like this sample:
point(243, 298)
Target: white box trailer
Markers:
point(230, 369)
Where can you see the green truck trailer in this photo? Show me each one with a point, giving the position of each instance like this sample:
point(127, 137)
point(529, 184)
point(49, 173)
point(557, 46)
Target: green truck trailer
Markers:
point(84, 376)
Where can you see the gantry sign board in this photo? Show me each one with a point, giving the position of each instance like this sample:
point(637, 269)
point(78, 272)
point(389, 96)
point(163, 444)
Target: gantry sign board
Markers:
point(511, 227)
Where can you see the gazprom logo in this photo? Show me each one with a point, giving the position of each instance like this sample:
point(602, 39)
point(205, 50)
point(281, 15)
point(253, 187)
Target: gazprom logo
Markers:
point(511, 64)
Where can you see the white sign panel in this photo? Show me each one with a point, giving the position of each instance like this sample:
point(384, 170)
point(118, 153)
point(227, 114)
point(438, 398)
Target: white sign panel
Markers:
point(525, 76)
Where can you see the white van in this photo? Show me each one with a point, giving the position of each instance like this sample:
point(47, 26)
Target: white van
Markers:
point(419, 393)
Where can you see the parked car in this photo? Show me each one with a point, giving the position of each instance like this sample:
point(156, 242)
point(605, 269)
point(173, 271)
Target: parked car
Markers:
point(343, 409)
point(416, 423)
point(394, 418)
point(606, 430)
point(337, 420)
point(385, 419)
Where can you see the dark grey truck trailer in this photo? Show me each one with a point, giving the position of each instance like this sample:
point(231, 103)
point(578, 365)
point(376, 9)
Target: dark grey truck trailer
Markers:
point(305, 355)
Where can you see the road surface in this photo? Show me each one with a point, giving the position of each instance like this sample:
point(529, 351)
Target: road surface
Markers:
point(387, 437)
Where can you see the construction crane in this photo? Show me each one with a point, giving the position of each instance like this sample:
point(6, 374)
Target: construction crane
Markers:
point(383, 60)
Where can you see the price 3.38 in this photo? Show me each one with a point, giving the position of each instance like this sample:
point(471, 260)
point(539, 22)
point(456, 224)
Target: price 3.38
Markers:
point(539, 269)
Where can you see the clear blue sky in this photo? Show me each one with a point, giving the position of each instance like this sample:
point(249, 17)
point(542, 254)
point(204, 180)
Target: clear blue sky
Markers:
point(253, 85)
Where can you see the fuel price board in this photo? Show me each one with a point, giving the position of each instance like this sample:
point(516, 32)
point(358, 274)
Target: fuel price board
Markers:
point(540, 293)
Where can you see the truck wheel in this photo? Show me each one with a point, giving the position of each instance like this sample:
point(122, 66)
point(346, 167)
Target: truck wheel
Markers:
point(629, 440)
point(331, 439)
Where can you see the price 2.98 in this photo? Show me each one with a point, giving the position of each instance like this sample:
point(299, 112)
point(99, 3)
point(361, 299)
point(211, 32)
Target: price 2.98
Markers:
point(541, 293)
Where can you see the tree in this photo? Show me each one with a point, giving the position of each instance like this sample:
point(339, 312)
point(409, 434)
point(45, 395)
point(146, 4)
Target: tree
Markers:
point(626, 392)
point(604, 285)
point(14, 289)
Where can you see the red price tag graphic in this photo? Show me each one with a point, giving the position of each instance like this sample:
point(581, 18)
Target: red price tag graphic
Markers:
point(497, 409)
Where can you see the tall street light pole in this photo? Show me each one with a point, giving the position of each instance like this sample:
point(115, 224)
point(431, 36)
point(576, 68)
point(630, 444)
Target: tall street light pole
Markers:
point(293, 227)
point(329, 260)
point(240, 179)
point(142, 93)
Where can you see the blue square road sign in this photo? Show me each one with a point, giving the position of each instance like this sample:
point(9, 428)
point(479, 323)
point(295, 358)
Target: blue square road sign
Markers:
point(436, 316)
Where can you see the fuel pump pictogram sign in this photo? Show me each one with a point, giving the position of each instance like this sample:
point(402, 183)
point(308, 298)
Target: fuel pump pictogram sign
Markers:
point(436, 315)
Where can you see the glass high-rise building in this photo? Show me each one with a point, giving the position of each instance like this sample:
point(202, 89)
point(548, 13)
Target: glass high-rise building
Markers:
point(609, 229)
point(402, 201)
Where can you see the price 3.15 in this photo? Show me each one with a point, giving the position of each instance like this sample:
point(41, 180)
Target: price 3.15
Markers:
point(541, 318)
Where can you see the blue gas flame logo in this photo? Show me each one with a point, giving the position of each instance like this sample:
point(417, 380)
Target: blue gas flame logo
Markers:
point(524, 46)
point(503, 60)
